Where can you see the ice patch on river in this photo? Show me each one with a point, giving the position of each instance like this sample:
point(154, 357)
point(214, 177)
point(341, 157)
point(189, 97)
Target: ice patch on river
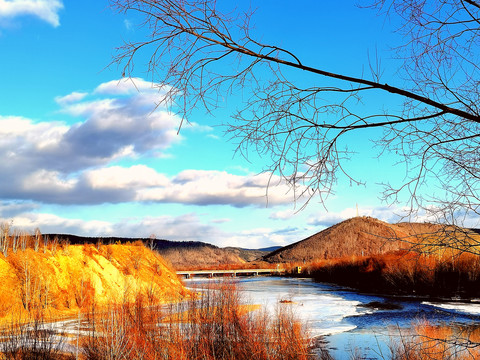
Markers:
point(323, 311)
point(346, 317)
point(457, 307)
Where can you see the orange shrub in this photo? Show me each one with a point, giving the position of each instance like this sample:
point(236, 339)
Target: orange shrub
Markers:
point(437, 343)
point(403, 272)
point(213, 326)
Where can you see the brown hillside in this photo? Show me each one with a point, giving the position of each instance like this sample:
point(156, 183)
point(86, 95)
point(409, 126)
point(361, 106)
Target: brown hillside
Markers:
point(420, 229)
point(59, 281)
point(200, 257)
point(248, 255)
point(357, 236)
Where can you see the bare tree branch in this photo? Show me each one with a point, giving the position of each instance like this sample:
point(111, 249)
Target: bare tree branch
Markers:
point(202, 54)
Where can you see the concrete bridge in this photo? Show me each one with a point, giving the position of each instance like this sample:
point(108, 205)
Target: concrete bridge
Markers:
point(231, 273)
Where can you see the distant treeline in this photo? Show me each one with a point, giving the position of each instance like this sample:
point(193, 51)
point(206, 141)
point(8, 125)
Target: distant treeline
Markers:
point(156, 243)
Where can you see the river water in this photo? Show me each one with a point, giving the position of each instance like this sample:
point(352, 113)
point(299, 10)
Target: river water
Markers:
point(342, 317)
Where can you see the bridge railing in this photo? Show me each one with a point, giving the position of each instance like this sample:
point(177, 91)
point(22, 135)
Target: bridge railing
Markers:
point(232, 273)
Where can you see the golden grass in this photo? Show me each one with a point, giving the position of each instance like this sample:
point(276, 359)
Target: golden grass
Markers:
point(216, 325)
point(60, 282)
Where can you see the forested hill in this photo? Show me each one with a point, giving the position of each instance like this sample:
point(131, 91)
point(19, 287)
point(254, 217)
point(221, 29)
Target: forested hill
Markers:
point(360, 236)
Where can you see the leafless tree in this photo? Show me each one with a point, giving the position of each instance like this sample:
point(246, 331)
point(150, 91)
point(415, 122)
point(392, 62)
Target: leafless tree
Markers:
point(38, 237)
point(4, 238)
point(24, 237)
point(151, 241)
point(16, 235)
point(202, 52)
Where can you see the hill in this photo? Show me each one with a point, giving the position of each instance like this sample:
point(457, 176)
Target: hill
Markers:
point(359, 236)
point(251, 254)
point(181, 254)
point(59, 279)
point(198, 255)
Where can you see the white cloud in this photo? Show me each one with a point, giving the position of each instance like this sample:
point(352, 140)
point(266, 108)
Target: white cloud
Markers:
point(70, 98)
point(110, 127)
point(46, 10)
point(56, 163)
point(140, 183)
point(70, 165)
point(384, 213)
point(10, 209)
point(59, 163)
point(130, 86)
point(51, 223)
point(204, 187)
point(186, 227)
point(13, 126)
point(282, 214)
point(116, 177)
point(43, 181)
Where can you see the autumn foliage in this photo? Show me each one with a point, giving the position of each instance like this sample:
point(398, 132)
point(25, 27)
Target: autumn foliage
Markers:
point(57, 279)
point(215, 325)
point(127, 303)
point(402, 272)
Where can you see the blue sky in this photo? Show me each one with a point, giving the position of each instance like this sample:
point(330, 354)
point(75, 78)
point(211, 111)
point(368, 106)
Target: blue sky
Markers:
point(87, 153)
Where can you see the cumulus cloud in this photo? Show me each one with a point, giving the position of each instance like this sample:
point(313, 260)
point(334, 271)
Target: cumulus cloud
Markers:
point(60, 163)
point(51, 223)
point(46, 10)
point(210, 187)
point(186, 227)
point(9, 210)
point(116, 177)
point(140, 183)
point(110, 127)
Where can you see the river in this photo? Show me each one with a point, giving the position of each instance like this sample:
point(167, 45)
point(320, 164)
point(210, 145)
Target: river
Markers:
point(342, 317)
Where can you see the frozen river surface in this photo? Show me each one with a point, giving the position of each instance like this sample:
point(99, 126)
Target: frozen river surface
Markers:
point(343, 316)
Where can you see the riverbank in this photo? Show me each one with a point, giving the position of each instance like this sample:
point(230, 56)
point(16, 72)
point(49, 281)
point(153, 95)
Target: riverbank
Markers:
point(216, 325)
point(402, 274)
